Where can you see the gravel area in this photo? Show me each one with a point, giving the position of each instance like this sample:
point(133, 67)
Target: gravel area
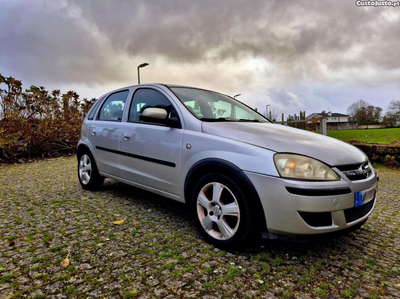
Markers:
point(157, 252)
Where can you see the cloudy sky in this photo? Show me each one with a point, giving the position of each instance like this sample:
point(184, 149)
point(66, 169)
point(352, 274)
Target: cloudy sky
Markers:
point(293, 55)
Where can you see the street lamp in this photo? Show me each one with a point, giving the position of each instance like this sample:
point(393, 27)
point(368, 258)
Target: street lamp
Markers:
point(236, 95)
point(266, 110)
point(138, 72)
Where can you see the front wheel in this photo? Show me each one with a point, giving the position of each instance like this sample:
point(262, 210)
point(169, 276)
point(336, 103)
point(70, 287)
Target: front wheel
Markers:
point(221, 211)
point(88, 173)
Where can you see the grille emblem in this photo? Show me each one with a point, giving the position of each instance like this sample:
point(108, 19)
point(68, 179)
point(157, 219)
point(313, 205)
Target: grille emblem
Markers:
point(362, 172)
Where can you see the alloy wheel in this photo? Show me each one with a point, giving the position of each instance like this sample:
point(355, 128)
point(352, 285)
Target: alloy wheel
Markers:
point(218, 211)
point(85, 169)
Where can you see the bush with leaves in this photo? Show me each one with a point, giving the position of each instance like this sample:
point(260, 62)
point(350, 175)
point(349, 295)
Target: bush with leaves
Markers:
point(36, 123)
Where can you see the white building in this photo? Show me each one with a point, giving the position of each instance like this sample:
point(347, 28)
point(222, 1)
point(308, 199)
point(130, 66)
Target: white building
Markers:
point(330, 117)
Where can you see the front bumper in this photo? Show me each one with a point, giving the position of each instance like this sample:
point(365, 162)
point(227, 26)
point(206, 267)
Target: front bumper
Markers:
point(310, 208)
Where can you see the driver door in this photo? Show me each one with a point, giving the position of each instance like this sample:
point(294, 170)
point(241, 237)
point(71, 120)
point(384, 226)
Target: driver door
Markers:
point(152, 150)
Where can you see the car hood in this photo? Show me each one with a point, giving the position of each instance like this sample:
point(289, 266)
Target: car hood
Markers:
point(280, 138)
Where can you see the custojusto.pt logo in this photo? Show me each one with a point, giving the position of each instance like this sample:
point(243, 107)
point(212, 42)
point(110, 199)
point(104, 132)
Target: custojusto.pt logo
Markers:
point(378, 3)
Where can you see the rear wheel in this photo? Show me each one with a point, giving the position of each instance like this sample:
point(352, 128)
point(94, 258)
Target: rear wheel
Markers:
point(221, 211)
point(88, 173)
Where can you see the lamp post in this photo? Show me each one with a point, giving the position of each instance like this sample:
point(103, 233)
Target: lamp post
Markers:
point(138, 71)
point(266, 110)
point(236, 95)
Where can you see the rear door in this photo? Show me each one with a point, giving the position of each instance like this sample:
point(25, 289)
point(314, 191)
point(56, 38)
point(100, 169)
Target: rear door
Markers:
point(151, 150)
point(104, 132)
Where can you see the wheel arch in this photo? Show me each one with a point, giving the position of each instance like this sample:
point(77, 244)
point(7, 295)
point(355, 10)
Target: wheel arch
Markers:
point(82, 147)
point(221, 166)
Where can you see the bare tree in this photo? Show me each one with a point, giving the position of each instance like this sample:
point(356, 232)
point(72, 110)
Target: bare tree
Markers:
point(393, 110)
point(356, 106)
point(365, 113)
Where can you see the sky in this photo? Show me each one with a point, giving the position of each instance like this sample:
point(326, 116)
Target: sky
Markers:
point(305, 55)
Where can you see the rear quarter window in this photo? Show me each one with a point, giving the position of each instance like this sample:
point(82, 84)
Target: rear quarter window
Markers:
point(93, 110)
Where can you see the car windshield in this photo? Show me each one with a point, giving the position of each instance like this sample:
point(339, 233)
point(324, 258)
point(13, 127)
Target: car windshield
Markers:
point(212, 106)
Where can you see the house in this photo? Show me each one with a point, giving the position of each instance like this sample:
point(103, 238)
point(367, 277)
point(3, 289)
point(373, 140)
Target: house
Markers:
point(329, 116)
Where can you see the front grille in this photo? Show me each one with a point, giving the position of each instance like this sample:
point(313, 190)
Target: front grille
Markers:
point(356, 172)
point(317, 219)
point(353, 214)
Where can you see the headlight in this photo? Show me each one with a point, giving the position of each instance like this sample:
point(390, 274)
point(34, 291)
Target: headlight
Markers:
point(303, 168)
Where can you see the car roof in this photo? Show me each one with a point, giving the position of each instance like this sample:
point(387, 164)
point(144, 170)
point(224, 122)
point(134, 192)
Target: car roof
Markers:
point(162, 85)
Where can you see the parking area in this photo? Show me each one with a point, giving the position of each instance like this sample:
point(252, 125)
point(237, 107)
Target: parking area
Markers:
point(157, 251)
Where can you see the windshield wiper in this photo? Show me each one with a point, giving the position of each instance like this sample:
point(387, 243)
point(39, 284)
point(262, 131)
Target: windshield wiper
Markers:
point(249, 120)
point(214, 119)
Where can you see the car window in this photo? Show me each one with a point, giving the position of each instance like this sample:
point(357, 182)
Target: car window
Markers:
point(113, 107)
point(243, 114)
point(211, 106)
point(222, 109)
point(194, 107)
point(94, 108)
point(144, 98)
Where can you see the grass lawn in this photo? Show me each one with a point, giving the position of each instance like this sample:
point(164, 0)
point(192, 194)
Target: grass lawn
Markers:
point(382, 136)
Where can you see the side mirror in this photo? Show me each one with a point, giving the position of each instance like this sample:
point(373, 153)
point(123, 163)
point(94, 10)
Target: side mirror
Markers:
point(160, 115)
point(157, 113)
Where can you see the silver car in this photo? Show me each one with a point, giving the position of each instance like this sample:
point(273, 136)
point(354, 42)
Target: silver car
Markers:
point(240, 174)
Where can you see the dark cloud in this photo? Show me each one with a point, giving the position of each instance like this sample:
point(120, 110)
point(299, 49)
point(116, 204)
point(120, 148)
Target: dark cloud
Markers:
point(45, 41)
point(92, 41)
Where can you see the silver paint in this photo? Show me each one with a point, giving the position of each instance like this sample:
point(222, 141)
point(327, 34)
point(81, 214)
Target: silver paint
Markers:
point(248, 146)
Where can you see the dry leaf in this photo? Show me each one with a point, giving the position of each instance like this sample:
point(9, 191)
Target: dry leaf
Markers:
point(119, 221)
point(65, 262)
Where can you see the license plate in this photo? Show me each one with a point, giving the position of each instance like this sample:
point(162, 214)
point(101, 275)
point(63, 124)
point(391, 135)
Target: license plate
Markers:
point(362, 197)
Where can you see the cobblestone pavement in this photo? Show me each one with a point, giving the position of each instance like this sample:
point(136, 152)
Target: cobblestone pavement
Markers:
point(157, 252)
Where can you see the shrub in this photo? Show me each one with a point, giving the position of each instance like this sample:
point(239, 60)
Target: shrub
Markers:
point(36, 123)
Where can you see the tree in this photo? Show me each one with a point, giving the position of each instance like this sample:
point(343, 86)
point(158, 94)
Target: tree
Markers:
point(364, 113)
point(353, 108)
point(368, 115)
point(393, 110)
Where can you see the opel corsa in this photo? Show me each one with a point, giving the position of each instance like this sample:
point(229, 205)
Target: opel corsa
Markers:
point(241, 174)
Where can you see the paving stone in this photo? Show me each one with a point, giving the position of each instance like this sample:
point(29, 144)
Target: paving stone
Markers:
point(157, 251)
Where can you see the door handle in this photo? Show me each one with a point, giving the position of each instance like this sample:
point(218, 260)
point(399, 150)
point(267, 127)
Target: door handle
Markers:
point(126, 137)
point(93, 132)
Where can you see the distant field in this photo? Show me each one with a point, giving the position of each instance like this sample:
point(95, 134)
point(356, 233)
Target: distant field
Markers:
point(384, 136)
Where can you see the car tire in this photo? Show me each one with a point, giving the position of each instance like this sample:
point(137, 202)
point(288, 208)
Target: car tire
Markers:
point(88, 174)
point(221, 211)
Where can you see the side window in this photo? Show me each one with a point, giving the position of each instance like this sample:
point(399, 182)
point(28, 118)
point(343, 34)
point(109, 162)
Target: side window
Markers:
point(94, 109)
point(114, 106)
point(144, 98)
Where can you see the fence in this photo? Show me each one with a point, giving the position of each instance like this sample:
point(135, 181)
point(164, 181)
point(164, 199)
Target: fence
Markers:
point(302, 124)
point(293, 121)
